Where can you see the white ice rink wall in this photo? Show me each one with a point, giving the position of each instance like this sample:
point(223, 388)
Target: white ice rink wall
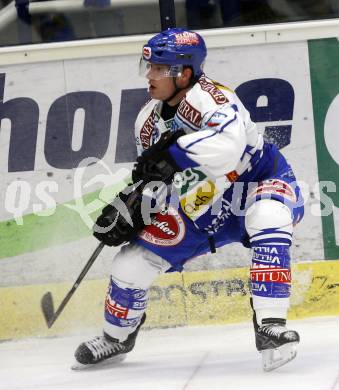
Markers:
point(62, 105)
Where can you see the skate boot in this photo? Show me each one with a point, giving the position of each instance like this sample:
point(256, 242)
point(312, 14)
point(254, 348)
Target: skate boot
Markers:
point(276, 343)
point(104, 350)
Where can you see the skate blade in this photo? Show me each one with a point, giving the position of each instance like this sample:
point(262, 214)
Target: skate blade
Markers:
point(274, 358)
point(104, 363)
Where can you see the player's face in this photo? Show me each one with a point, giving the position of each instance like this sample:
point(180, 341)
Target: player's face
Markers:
point(160, 88)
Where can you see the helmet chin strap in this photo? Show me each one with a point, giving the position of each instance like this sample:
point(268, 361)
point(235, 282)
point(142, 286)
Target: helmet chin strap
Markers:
point(192, 81)
point(176, 90)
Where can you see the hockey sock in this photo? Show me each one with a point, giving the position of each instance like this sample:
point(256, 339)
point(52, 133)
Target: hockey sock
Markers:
point(124, 308)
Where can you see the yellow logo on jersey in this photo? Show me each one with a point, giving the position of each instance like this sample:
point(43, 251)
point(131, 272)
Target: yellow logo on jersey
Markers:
point(221, 86)
point(196, 202)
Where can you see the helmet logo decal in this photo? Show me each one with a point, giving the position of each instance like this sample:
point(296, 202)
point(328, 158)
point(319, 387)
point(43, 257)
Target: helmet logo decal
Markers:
point(147, 52)
point(187, 38)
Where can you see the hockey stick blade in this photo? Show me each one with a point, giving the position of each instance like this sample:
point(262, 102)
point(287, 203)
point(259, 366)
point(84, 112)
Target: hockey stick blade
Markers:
point(47, 307)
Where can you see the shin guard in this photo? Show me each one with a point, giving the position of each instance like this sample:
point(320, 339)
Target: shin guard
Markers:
point(269, 225)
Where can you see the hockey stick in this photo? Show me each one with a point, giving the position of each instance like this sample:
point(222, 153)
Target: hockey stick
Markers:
point(47, 304)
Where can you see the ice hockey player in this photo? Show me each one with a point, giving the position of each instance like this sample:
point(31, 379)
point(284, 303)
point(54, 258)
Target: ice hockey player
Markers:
point(229, 186)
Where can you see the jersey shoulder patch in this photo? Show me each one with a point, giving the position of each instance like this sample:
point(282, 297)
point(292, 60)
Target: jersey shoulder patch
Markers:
point(144, 124)
point(214, 89)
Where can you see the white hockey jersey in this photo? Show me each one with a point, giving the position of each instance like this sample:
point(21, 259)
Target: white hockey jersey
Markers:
point(220, 144)
point(218, 128)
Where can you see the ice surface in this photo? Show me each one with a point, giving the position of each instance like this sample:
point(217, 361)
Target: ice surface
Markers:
point(195, 358)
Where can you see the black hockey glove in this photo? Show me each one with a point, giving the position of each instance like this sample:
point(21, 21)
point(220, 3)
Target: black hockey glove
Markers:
point(121, 220)
point(156, 163)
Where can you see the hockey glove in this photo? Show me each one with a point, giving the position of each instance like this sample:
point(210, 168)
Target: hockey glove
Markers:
point(121, 220)
point(156, 163)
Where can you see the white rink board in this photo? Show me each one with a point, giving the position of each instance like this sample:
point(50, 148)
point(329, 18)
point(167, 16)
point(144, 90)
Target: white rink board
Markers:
point(46, 82)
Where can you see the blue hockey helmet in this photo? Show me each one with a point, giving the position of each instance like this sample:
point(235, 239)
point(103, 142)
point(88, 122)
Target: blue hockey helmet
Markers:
point(176, 47)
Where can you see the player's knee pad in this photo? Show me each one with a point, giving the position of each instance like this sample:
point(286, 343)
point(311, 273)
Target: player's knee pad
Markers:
point(269, 226)
point(133, 271)
point(137, 267)
point(268, 220)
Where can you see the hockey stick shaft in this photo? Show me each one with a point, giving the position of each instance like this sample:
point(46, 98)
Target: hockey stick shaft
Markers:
point(47, 304)
point(47, 300)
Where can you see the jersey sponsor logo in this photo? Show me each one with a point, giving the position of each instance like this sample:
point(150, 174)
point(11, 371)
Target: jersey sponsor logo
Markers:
point(115, 309)
point(266, 255)
point(275, 187)
point(189, 113)
point(213, 90)
point(258, 287)
point(147, 52)
point(122, 322)
point(271, 289)
point(167, 229)
point(139, 305)
point(147, 130)
point(278, 275)
point(266, 259)
point(232, 176)
point(187, 38)
point(266, 249)
point(221, 218)
point(186, 180)
point(198, 200)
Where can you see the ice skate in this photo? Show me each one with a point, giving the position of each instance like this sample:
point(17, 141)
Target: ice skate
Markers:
point(104, 350)
point(276, 343)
